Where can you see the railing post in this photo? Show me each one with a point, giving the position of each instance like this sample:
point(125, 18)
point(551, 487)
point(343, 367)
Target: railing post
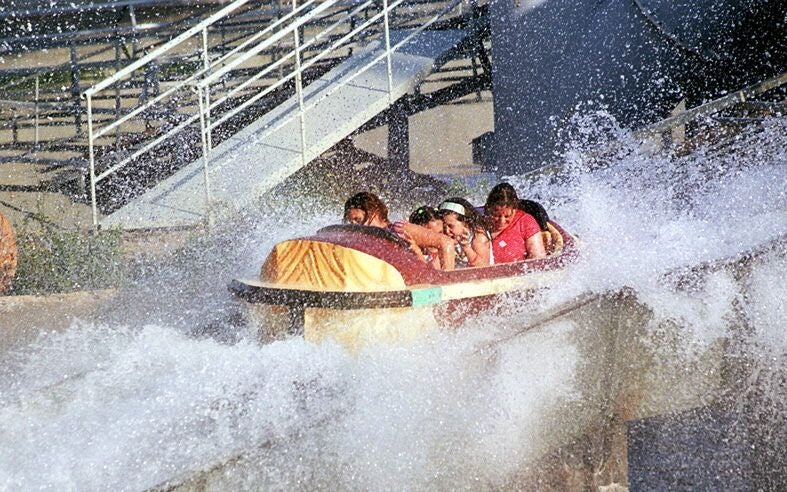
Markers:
point(204, 131)
point(299, 86)
point(277, 51)
point(154, 77)
point(388, 53)
point(36, 111)
point(204, 123)
point(134, 39)
point(75, 90)
point(205, 54)
point(92, 157)
point(14, 127)
point(150, 88)
point(223, 45)
point(118, 68)
point(474, 65)
point(206, 110)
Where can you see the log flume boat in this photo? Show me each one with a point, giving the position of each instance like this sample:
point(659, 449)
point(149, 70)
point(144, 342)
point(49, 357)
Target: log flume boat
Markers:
point(360, 285)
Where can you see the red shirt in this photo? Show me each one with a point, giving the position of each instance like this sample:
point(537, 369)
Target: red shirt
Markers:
point(509, 245)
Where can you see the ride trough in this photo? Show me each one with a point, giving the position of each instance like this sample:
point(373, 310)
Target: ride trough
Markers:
point(361, 285)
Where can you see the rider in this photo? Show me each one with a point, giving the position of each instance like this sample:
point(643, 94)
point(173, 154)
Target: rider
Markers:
point(366, 208)
point(429, 218)
point(466, 226)
point(515, 234)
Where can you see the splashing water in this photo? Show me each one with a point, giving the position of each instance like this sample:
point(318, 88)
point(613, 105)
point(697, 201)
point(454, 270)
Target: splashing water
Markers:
point(131, 400)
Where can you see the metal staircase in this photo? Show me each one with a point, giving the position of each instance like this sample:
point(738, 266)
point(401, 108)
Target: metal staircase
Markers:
point(51, 52)
point(245, 117)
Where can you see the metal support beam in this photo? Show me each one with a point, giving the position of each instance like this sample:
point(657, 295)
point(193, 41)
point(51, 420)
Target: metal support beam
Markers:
point(74, 63)
point(398, 140)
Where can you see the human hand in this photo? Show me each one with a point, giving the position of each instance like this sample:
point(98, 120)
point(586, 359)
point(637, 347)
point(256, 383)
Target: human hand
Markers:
point(407, 238)
point(398, 228)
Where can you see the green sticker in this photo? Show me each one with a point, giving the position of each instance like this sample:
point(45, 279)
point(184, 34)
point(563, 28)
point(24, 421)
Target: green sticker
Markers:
point(425, 297)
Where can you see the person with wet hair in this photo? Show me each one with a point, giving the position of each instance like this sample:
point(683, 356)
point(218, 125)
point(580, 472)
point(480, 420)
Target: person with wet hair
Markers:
point(429, 218)
point(516, 235)
point(468, 228)
point(365, 208)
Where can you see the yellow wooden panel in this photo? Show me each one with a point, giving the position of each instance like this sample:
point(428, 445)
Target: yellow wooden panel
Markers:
point(314, 265)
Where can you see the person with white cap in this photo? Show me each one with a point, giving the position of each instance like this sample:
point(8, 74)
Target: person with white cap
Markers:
point(468, 228)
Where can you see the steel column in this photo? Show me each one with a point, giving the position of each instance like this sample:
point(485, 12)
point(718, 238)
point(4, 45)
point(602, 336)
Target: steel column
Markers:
point(388, 53)
point(299, 86)
point(92, 157)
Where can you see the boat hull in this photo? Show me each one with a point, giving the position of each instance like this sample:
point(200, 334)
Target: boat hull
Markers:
point(366, 314)
point(356, 320)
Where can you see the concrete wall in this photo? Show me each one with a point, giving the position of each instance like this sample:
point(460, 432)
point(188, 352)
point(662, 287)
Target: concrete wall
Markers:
point(24, 318)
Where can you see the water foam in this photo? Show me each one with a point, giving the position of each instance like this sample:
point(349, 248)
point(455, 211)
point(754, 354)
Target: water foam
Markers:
point(131, 402)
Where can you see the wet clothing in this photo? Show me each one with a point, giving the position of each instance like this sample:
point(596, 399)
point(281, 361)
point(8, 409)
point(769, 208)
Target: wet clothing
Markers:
point(509, 245)
point(529, 207)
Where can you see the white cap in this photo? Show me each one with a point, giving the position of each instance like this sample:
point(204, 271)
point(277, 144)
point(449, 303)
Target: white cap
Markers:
point(453, 207)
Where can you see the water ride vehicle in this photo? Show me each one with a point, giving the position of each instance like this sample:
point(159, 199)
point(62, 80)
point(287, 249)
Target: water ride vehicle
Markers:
point(360, 284)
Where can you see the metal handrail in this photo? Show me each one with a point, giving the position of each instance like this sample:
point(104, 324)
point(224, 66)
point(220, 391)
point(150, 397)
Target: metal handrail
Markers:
point(682, 118)
point(714, 106)
point(185, 82)
point(164, 48)
point(203, 86)
point(308, 65)
point(312, 61)
point(213, 71)
point(149, 59)
point(275, 65)
point(388, 52)
point(270, 42)
point(284, 58)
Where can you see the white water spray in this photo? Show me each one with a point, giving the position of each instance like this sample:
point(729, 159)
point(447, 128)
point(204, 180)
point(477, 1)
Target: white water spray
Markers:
point(132, 400)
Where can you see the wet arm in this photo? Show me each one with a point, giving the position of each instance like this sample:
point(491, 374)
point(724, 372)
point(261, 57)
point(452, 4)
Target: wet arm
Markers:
point(425, 238)
point(478, 254)
point(535, 247)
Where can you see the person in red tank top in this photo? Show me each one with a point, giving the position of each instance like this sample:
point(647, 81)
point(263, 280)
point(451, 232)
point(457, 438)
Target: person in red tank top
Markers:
point(516, 235)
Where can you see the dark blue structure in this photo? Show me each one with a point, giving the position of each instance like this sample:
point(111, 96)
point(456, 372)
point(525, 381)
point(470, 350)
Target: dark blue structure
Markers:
point(635, 58)
point(706, 448)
